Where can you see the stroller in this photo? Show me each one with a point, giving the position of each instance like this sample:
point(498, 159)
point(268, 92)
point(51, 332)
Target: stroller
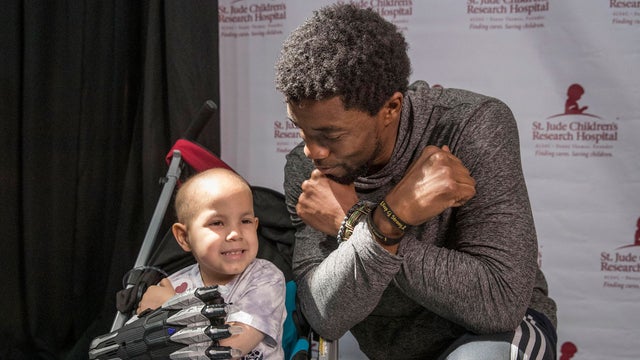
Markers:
point(153, 335)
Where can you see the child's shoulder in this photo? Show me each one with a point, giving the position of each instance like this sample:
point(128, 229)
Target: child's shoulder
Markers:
point(262, 267)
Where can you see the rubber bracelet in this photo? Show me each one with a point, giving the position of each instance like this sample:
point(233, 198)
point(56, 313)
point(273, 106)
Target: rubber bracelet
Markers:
point(384, 240)
point(395, 220)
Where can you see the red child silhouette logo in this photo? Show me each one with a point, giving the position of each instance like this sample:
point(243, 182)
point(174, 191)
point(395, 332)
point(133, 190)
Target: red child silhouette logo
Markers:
point(567, 350)
point(571, 106)
point(574, 93)
point(636, 238)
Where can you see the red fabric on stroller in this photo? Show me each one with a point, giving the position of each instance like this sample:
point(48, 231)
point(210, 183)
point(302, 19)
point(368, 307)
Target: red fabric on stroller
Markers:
point(196, 156)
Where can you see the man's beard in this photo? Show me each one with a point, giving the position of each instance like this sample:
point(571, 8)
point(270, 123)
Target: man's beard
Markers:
point(351, 176)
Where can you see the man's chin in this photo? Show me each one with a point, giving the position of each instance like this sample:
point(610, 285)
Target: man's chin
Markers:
point(350, 177)
point(344, 180)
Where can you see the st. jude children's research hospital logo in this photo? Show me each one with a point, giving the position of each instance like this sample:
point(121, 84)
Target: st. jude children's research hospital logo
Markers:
point(621, 267)
point(575, 132)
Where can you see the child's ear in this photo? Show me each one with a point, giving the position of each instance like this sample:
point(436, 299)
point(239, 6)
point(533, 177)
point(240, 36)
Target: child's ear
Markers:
point(257, 222)
point(180, 233)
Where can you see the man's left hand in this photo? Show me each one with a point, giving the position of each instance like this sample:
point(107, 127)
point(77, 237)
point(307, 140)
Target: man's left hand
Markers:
point(324, 203)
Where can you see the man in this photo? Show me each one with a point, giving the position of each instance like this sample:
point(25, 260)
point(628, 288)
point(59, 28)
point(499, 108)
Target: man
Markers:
point(414, 228)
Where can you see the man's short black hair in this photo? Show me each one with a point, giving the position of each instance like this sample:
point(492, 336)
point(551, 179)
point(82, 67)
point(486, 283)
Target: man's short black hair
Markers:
point(346, 51)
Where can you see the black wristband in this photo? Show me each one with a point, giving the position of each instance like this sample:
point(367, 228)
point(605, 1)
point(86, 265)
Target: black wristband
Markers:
point(378, 235)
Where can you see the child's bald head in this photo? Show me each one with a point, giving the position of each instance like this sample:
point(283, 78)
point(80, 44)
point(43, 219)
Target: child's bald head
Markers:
point(204, 187)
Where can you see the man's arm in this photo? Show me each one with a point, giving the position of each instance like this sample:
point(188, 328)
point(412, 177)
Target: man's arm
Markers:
point(346, 283)
point(337, 286)
point(481, 273)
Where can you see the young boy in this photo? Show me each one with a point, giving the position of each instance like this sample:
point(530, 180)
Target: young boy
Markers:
point(216, 223)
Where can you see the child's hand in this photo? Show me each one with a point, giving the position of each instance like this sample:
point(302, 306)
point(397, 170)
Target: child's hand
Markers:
point(156, 295)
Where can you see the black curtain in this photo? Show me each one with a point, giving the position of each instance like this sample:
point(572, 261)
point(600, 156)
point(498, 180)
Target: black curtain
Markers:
point(93, 95)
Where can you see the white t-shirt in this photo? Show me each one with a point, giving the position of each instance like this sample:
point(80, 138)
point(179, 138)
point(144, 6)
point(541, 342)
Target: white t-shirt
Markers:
point(258, 294)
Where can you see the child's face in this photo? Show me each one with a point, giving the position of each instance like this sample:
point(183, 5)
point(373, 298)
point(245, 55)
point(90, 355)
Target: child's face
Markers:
point(223, 234)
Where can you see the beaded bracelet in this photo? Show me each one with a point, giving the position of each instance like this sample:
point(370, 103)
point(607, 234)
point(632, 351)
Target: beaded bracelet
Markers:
point(395, 220)
point(353, 216)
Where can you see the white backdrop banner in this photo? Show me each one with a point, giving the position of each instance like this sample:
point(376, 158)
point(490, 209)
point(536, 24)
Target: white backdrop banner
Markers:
point(569, 70)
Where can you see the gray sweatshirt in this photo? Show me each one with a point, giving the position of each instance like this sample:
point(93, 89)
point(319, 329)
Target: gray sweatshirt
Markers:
point(472, 268)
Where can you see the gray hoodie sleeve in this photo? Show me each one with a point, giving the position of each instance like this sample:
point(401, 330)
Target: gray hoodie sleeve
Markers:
point(337, 286)
point(476, 265)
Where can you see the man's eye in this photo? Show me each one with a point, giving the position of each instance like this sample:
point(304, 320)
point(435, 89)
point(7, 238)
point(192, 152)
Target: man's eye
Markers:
point(331, 137)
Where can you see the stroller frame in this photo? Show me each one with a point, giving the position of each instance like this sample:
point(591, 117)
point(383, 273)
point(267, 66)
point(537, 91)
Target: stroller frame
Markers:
point(170, 182)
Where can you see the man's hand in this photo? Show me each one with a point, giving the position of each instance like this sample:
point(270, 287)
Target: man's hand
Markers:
point(324, 203)
point(436, 181)
point(156, 295)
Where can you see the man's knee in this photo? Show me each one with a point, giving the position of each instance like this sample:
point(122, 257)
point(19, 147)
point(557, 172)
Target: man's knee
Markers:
point(481, 350)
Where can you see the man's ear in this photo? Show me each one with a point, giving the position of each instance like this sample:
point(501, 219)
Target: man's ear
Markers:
point(392, 108)
point(180, 233)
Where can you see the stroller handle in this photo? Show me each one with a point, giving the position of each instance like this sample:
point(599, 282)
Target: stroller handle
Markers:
point(196, 126)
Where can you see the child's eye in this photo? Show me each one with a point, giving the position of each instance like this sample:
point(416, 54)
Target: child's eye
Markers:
point(216, 223)
point(247, 221)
